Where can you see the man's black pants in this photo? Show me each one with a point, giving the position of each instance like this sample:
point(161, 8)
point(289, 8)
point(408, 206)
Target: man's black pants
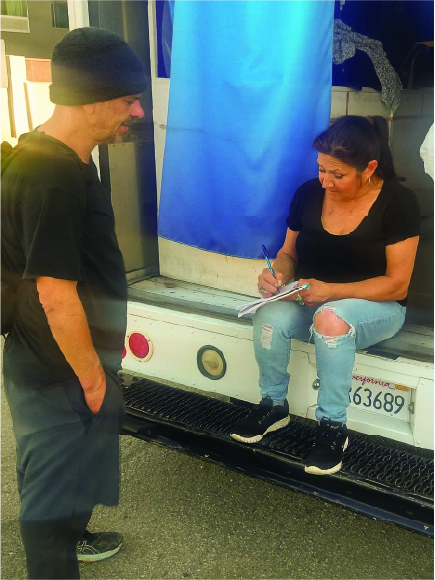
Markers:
point(51, 547)
point(67, 463)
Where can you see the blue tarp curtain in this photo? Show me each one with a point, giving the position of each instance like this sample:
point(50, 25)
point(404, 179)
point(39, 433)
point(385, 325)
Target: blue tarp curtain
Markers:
point(250, 89)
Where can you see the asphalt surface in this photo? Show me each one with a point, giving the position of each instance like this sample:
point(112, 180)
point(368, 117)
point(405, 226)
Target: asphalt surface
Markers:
point(183, 517)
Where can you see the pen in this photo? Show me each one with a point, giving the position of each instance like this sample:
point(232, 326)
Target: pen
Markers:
point(269, 265)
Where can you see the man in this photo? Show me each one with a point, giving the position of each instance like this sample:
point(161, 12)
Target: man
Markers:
point(62, 356)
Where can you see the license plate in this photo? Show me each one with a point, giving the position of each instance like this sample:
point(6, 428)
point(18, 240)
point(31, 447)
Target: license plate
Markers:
point(380, 397)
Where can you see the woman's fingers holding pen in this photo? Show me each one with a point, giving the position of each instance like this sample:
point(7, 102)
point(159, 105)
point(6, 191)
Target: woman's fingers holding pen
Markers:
point(267, 284)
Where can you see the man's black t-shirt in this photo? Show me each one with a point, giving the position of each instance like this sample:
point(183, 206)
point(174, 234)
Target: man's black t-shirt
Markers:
point(57, 221)
point(359, 255)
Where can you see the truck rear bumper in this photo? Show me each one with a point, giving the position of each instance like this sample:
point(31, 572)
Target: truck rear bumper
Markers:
point(380, 478)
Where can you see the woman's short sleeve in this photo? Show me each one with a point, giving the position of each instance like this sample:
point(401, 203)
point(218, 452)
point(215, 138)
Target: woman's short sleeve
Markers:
point(402, 217)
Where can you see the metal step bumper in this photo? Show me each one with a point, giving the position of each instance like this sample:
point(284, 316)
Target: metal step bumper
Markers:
point(380, 478)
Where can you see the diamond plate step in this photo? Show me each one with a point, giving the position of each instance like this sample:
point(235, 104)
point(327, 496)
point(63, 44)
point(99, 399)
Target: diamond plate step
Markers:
point(380, 478)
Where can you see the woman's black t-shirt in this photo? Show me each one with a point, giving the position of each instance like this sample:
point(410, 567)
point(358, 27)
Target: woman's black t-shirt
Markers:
point(359, 255)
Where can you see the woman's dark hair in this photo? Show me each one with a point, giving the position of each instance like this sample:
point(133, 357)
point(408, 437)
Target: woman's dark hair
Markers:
point(357, 140)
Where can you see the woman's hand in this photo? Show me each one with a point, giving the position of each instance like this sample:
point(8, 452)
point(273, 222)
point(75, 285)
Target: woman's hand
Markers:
point(284, 267)
point(318, 293)
point(267, 284)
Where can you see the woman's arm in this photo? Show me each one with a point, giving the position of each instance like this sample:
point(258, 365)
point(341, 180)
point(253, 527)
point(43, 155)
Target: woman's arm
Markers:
point(392, 286)
point(284, 266)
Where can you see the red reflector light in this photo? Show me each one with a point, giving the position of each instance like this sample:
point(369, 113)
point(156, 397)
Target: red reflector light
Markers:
point(124, 352)
point(139, 345)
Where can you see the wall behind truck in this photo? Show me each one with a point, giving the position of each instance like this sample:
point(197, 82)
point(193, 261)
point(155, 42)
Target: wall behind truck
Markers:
point(25, 100)
point(42, 36)
point(25, 68)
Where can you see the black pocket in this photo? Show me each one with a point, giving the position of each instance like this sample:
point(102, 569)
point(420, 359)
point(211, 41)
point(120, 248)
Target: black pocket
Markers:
point(76, 398)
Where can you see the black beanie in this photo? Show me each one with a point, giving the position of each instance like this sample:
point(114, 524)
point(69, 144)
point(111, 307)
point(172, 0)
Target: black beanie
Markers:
point(91, 65)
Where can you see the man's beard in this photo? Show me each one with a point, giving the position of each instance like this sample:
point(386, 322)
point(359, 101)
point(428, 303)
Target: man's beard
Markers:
point(117, 136)
point(114, 138)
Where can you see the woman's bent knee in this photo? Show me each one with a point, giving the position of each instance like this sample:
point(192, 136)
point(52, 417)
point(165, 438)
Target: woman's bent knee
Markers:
point(276, 318)
point(327, 322)
point(274, 314)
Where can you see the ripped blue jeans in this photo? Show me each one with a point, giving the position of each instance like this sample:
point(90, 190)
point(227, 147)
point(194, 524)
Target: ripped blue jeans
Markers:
point(277, 323)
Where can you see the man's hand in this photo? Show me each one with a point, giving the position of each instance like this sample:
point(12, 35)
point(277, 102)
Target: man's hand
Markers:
point(94, 394)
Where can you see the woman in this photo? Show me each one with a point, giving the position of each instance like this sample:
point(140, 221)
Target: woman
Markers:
point(352, 236)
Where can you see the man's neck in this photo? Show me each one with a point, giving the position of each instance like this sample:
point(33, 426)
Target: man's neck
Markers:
point(67, 132)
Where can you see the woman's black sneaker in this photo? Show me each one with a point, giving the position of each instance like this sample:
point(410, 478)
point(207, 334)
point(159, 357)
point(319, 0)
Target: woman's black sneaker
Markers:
point(326, 453)
point(263, 418)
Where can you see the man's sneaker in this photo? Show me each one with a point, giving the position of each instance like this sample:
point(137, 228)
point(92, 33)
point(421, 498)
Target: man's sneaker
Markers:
point(326, 453)
point(98, 546)
point(263, 418)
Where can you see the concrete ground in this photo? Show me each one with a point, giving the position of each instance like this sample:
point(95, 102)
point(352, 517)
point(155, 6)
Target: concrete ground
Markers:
point(186, 518)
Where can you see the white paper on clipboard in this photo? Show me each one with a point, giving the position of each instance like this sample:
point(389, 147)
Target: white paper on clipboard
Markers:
point(284, 291)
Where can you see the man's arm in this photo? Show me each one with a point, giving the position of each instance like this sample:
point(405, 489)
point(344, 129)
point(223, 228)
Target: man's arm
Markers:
point(69, 326)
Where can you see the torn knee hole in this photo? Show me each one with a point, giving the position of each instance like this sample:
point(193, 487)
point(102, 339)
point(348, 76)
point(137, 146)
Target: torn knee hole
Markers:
point(329, 324)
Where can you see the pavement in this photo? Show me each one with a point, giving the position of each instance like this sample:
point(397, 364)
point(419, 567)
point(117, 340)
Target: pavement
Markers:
point(183, 517)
